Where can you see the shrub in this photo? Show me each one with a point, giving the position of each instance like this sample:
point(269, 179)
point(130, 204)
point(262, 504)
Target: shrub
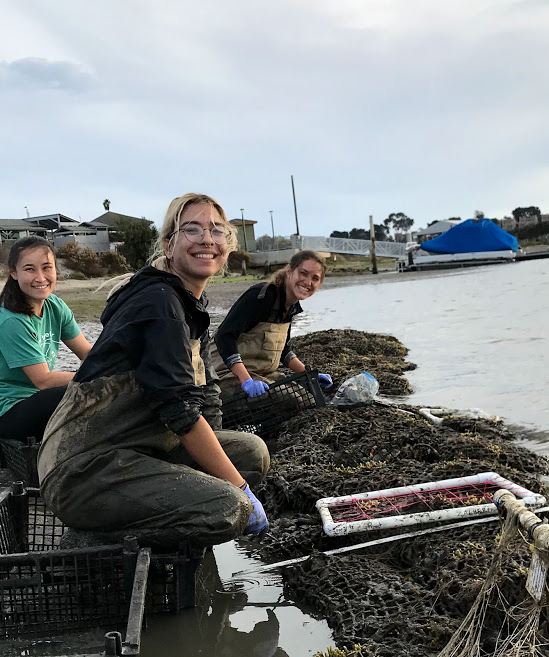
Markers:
point(4, 253)
point(82, 259)
point(68, 251)
point(114, 262)
point(137, 237)
point(234, 263)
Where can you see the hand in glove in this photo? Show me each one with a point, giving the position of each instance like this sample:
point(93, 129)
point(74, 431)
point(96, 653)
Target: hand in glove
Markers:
point(258, 523)
point(325, 380)
point(254, 388)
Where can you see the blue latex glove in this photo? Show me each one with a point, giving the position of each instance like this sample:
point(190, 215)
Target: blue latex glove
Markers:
point(325, 380)
point(254, 388)
point(258, 523)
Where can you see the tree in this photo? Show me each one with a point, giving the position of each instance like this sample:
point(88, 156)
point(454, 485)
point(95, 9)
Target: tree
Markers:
point(359, 234)
point(339, 233)
point(532, 211)
point(479, 214)
point(137, 237)
point(106, 204)
point(398, 221)
point(264, 243)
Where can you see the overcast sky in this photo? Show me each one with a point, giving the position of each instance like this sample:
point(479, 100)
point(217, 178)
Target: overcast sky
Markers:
point(434, 108)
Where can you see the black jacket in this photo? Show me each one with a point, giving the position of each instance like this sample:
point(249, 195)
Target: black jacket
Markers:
point(261, 302)
point(147, 327)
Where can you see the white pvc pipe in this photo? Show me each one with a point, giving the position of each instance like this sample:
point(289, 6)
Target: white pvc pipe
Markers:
point(331, 528)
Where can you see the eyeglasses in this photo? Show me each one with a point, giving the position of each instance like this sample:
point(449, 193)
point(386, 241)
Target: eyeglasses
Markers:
point(195, 233)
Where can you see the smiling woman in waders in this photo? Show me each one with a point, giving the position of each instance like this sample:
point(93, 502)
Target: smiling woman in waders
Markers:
point(33, 322)
point(252, 341)
point(135, 444)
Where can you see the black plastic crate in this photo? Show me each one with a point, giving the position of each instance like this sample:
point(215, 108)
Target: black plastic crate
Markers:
point(22, 459)
point(47, 591)
point(171, 586)
point(29, 642)
point(28, 526)
point(284, 399)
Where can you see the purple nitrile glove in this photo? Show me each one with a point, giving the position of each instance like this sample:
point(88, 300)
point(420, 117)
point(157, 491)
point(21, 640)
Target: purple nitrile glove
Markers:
point(254, 388)
point(325, 380)
point(258, 523)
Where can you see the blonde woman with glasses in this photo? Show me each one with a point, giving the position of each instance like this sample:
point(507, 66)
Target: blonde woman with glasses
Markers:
point(135, 444)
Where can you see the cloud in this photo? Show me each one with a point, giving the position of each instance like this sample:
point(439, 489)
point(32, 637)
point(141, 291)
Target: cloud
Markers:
point(430, 108)
point(38, 73)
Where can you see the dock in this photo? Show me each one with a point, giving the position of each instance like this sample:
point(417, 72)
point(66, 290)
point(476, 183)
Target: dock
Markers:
point(533, 255)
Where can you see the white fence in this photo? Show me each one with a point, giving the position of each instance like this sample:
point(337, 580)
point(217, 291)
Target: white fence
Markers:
point(349, 246)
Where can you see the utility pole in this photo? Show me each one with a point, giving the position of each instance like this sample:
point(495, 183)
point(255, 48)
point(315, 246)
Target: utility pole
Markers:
point(273, 229)
point(295, 208)
point(244, 229)
point(373, 247)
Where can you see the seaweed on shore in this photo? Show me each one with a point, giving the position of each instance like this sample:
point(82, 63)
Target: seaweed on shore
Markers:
point(344, 352)
point(407, 597)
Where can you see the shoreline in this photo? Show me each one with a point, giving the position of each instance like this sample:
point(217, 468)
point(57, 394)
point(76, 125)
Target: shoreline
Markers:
point(87, 298)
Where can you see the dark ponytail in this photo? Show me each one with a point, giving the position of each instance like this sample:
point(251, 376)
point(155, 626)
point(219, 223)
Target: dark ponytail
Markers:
point(12, 296)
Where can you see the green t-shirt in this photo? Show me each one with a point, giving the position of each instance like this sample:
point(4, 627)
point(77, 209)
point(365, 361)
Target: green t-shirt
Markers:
point(28, 340)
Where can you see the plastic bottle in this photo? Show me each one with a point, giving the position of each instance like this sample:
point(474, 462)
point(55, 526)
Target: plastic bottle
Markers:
point(358, 389)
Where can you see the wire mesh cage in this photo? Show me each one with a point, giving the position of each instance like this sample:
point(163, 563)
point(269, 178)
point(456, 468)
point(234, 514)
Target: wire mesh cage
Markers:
point(284, 399)
point(22, 459)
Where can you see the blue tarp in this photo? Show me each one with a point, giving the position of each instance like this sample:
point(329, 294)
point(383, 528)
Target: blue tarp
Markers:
point(472, 236)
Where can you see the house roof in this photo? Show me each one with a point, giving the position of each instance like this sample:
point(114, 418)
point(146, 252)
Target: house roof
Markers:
point(437, 228)
point(51, 221)
point(20, 224)
point(239, 222)
point(94, 224)
point(111, 218)
point(76, 230)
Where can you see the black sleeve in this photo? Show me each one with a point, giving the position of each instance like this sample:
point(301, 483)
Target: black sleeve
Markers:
point(211, 410)
point(287, 354)
point(247, 312)
point(160, 338)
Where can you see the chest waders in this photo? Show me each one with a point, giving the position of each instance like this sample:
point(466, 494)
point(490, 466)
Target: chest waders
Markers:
point(198, 364)
point(102, 468)
point(260, 349)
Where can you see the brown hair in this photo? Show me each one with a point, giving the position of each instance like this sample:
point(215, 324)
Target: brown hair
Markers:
point(279, 277)
point(12, 296)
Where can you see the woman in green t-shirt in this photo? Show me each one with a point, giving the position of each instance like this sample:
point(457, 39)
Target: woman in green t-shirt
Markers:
point(33, 322)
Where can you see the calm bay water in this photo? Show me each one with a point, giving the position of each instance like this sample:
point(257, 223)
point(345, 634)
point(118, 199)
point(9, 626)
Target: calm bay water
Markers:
point(479, 336)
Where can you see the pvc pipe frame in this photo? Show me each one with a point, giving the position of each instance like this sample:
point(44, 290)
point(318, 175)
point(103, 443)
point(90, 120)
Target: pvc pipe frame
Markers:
point(331, 528)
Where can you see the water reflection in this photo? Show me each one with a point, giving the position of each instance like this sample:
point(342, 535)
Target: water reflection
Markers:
point(244, 618)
